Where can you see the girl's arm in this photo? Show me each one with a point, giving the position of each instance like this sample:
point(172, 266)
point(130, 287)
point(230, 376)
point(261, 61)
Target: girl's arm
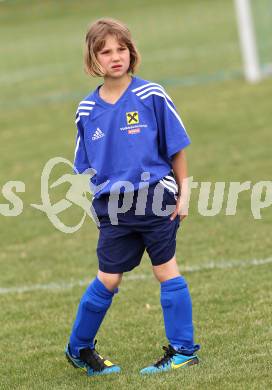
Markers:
point(179, 166)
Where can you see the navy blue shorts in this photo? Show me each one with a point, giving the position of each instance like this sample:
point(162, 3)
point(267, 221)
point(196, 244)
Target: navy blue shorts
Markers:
point(120, 247)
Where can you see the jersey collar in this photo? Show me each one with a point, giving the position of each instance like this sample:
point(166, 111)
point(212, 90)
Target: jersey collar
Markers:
point(119, 101)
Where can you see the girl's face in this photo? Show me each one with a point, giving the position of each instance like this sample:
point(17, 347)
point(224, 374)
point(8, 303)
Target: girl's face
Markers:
point(114, 58)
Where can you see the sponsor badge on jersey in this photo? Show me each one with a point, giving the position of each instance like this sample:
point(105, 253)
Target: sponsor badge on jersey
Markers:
point(132, 117)
point(134, 131)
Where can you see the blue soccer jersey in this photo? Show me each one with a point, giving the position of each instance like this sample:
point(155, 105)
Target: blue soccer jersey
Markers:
point(139, 133)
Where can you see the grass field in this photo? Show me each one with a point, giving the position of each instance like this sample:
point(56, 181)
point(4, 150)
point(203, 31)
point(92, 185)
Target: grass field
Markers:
point(191, 48)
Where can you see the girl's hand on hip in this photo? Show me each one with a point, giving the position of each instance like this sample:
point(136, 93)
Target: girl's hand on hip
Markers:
point(180, 209)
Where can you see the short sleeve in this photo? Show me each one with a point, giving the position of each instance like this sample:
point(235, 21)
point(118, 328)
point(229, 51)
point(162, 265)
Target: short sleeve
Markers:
point(81, 162)
point(172, 134)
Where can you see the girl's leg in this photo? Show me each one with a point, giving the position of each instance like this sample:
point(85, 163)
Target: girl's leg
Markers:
point(92, 309)
point(110, 281)
point(176, 306)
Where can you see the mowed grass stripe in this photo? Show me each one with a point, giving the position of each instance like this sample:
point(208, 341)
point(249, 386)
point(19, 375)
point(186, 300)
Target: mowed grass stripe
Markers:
point(62, 285)
point(229, 123)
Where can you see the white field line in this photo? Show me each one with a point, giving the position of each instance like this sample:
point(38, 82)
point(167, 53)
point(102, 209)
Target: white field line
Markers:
point(35, 72)
point(60, 286)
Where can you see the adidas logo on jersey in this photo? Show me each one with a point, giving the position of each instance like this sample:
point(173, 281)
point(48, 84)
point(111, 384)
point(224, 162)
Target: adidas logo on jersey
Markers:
point(97, 134)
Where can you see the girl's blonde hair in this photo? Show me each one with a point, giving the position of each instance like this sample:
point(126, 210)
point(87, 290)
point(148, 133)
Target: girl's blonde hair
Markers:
point(95, 41)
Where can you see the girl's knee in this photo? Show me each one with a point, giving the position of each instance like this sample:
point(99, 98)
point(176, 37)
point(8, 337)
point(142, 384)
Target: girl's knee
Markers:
point(110, 281)
point(166, 271)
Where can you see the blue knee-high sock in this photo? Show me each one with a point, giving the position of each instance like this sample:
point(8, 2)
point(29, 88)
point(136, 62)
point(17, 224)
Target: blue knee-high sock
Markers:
point(91, 311)
point(177, 313)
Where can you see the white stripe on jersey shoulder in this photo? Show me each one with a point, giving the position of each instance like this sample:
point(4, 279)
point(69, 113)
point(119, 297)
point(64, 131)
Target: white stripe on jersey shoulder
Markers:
point(86, 102)
point(152, 87)
point(78, 115)
point(157, 89)
point(84, 109)
point(147, 85)
point(168, 104)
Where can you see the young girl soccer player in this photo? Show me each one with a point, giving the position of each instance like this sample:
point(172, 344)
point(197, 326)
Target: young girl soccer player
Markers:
point(129, 131)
